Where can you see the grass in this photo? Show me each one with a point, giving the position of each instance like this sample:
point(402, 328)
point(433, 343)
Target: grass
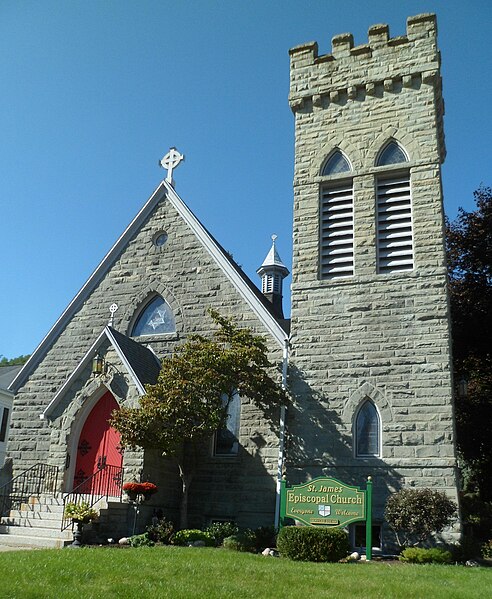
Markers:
point(177, 572)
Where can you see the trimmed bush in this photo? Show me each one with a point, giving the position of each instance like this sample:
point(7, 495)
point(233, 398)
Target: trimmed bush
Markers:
point(242, 541)
point(313, 544)
point(141, 541)
point(220, 530)
point(418, 555)
point(189, 535)
point(415, 514)
point(161, 532)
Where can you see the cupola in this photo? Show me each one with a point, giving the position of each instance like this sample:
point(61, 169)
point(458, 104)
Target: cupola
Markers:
point(272, 272)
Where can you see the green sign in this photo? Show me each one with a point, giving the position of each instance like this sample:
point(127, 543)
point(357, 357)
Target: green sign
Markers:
point(328, 502)
point(325, 502)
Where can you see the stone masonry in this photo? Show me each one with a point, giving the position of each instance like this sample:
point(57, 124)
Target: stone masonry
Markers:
point(384, 337)
point(186, 276)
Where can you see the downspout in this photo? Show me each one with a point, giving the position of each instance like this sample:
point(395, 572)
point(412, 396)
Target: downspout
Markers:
point(283, 412)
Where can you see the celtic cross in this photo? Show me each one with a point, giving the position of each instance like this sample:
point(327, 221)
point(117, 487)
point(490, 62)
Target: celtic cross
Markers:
point(170, 162)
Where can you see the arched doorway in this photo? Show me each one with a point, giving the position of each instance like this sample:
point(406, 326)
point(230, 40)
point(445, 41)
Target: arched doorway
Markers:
point(99, 454)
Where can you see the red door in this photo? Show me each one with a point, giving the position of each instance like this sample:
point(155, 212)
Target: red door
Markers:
point(99, 451)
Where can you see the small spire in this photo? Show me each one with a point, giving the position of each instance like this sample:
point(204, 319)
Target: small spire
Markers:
point(273, 259)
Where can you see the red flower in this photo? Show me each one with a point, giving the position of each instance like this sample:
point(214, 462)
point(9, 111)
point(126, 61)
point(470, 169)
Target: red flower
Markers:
point(143, 488)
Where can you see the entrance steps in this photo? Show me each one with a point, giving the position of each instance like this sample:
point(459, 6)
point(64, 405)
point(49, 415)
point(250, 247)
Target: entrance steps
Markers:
point(38, 522)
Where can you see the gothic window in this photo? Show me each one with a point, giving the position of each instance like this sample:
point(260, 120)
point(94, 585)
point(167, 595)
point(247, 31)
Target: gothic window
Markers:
point(392, 153)
point(367, 431)
point(394, 213)
point(156, 318)
point(226, 440)
point(336, 164)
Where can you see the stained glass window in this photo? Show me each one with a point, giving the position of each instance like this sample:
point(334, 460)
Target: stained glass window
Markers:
point(337, 163)
point(367, 431)
point(157, 318)
point(392, 154)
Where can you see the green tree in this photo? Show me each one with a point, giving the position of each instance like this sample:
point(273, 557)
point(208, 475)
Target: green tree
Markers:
point(190, 400)
point(415, 514)
point(13, 361)
point(469, 254)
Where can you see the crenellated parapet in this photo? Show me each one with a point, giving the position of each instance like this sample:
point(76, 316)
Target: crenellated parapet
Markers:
point(383, 66)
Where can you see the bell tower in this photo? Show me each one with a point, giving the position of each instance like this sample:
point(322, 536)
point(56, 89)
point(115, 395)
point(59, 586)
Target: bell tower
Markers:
point(370, 329)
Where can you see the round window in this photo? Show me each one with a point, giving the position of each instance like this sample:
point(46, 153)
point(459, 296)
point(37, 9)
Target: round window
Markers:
point(160, 239)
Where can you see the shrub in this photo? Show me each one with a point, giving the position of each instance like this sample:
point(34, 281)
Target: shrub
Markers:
point(487, 550)
point(220, 530)
point(81, 512)
point(141, 541)
point(414, 514)
point(418, 555)
point(161, 532)
point(242, 541)
point(313, 544)
point(189, 535)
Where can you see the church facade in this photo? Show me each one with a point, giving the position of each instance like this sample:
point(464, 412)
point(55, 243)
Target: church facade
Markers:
point(366, 359)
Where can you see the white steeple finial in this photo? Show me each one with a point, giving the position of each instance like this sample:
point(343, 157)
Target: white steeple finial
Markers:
point(170, 162)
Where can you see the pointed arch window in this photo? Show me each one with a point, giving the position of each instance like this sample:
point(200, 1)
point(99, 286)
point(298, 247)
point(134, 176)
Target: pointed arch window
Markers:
point(336, 164)
point(156, 318)
point(336, 221)
point(367, 431)
point(394, 213)
point(392, 153)
point(226, 439)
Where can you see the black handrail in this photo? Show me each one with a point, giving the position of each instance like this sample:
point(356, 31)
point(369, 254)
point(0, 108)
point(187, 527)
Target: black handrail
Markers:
point(105, 482)
point(33, 482)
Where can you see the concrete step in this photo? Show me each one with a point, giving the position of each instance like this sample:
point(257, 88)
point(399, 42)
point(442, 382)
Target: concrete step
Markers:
point(29, 541)
point(35, 532)
point(32, 523)
point(34, 515)
point(46, 500)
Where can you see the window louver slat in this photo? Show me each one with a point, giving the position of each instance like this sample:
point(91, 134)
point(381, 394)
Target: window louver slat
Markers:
point(394, 221)
point(337, 232)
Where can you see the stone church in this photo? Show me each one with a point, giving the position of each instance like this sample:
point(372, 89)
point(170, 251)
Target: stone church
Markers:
point(366, 354)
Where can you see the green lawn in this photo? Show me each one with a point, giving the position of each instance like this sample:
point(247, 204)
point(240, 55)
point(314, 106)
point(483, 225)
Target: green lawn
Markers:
point(199, 572)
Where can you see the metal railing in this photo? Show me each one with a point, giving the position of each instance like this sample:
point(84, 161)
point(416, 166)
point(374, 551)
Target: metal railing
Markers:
point(106, 482)
point(39, 479)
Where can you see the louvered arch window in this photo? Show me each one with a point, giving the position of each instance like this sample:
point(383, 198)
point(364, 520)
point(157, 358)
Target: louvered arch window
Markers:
point(394, 213)
point(336, 247)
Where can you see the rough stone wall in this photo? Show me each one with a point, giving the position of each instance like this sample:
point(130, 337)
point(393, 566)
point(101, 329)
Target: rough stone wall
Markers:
point(185, 275)
point(379, 336)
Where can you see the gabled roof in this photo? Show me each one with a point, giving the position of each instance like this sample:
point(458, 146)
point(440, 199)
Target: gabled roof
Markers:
point(7, 375)
point(239, 279)
point(140, 362)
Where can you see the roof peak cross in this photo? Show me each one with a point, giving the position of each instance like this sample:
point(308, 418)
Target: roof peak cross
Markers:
point(170, 161)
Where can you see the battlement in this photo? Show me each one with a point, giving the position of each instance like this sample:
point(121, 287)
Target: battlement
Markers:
point(419, 27)
point(383, 59)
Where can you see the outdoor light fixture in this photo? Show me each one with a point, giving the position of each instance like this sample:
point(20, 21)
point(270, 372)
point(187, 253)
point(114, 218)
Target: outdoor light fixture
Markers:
point(97, 365)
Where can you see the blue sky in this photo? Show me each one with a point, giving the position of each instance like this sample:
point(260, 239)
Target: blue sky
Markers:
point(95, 92)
